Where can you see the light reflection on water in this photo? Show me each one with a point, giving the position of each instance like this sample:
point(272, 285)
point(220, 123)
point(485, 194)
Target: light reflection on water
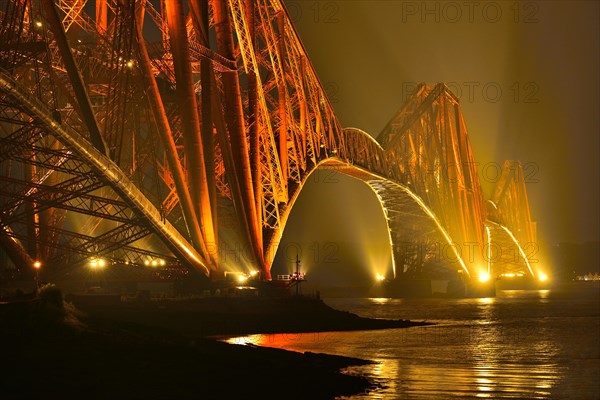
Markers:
point(521, 344)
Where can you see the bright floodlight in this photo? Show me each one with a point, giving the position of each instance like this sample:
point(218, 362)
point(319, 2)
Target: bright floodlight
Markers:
point(380, 277)
point(154, 263)
point(97, 263)
point(542, 276)
point(242, 278)
point(484, 277)
point(37, 265)
point(146, 262)
point(162, 262)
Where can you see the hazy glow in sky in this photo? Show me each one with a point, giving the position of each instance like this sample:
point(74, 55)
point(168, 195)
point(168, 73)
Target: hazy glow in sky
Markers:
point(527, 75)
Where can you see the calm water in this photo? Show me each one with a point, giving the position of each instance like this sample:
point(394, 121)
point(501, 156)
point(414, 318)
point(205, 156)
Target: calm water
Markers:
point(537, 344)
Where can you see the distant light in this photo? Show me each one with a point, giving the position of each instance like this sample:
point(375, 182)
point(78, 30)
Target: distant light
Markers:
point(154, 263)
point(253, 273)
point(334, 151)
point(78, 40)
point(146, 262)
point(101, 263)
point(162, 262)
point(37, 265)
point(38, 24)
point(242, 278)
point(484, 277)
point(380, 277)
point(130, 64)
point(542, 276)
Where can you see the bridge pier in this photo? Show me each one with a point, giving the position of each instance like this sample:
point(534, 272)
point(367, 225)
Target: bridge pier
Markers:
point(475, 288)
point(419, 287)
point(407, 286)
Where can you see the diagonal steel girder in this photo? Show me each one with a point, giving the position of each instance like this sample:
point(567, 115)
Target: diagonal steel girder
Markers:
point(74, 198)
point(32, 192)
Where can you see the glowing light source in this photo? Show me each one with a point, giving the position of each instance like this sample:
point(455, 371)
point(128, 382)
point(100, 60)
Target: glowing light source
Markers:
point(130, 64)
point(253, 273)
point(380, 277)
point(38, 24)
point(542, 276)
point(484, 277)
point(511, 275)
point(154, 263)
point(97, 263)
point(242, 278)
point(146, 262)
point(162, 262)
point(37, 265)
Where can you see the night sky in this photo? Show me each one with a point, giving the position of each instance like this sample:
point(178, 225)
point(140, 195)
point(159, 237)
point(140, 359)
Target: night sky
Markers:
point(527, 76)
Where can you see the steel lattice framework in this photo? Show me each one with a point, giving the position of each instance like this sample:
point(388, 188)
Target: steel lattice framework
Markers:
point(134, 129)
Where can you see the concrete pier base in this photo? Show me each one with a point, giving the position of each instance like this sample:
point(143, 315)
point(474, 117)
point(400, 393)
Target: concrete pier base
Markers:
point(407, 287)
point(480, 289)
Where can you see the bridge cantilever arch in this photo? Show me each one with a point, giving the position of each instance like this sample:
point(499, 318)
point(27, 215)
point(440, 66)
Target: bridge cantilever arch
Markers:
point(171, 130)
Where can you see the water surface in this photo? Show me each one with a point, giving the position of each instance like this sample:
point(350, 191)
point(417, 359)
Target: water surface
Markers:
point(536, 344)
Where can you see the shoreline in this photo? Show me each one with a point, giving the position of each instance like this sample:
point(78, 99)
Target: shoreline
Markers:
point(154, 350)
point(235, 316)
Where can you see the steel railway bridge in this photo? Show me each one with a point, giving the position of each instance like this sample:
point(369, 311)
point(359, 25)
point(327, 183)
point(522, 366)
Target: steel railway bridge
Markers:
point(148, 132)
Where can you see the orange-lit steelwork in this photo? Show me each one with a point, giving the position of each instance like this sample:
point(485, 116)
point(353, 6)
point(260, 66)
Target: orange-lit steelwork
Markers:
point(128, 146)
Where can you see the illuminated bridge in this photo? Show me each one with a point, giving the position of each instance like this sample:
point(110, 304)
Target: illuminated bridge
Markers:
point(162, 132)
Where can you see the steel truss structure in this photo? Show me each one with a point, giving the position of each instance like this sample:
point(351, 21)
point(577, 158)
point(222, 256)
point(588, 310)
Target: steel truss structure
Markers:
point(136, 129)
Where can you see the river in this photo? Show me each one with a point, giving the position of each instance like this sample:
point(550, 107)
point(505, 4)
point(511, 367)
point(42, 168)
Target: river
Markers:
point(525, 344)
